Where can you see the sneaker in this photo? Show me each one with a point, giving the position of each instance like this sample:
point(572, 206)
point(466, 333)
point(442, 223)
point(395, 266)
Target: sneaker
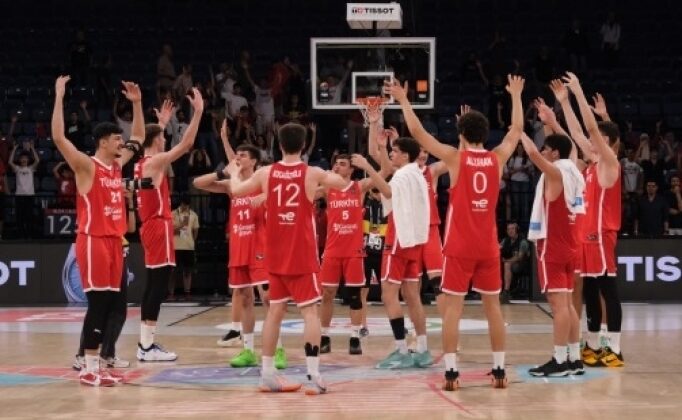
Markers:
point(423, 359)
point(155, 353)
point(354, 346)
point(396, 360)
point(315, 385)
point(280, 358)
point(109, 375)
point(95, 379)
point(325, 344)
point(278, 383)
point(115, 363)
point(78, 363)
point(575, 367)
point(232, 338)
point(245, 358)
point(364, 332)
point(611, 359)
point(451, 380)
point(551, 368)
point(591, 356)
point(499, 378)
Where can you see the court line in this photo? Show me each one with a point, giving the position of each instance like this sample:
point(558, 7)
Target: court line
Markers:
point(549, 314)
point(191, 316)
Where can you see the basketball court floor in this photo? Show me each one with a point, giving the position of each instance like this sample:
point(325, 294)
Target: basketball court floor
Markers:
point(37, 347)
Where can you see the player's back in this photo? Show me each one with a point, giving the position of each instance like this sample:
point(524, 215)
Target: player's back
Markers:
point(560, 245)
point(471, 230)
point(101, 212)
point(344, 222)
point(603, 206)
point(154, 202)
point(291, 246)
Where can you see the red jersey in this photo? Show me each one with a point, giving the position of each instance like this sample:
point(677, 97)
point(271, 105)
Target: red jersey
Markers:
point(246, 226)
point(155, 202)
point(561, 243)
point(602, 206)
point(392, 246)
point(471, 230)
point(291, 245)
point(101, 212)
point(344, 222)
point(434, 217)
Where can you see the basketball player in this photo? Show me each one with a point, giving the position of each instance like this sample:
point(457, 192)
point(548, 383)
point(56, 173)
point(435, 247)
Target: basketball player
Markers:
point(156, 232)
point(552, 227)
point(405, 236)
point(344, 252)
point(599, 231)
point(291, 249)
point(471, 251)
point(101, 221)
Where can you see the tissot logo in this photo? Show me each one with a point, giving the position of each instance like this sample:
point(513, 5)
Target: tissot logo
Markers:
point(376, 10)
point(21, 268)
point(666, 268)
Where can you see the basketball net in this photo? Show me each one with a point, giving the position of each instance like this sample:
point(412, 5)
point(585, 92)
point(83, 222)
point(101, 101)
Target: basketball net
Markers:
point(370, 104)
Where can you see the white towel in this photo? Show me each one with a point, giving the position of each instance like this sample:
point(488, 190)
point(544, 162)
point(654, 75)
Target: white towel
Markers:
point(410, 205)
point(574, 189)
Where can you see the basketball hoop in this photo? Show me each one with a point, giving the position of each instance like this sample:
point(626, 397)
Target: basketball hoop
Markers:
point(370, 104)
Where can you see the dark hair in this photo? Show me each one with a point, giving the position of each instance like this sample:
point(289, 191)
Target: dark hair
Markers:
point(610, 130)
point(560, 143)
point(150, 133)
point(409, 146)
point(252, 150)
point(292, 138)
point(105, 129)
point(343, 156)
point(474, 127)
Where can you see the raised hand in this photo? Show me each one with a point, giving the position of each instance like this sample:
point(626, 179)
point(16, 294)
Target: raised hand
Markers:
point(515, 84)
point(224, 131)
point(392, 133)
point(233, 168)
point(545, 113)
point(396, 90)
point(559, 90)
point(313, 127)
point(132, 91)
point(359, 162)
point(599, 107)
point(164, 115)
point(462, 110)
point(382, 138)
point(373, 115)
point(60, 86)
point(84, 105)
point(196, 100)
point(571, 81)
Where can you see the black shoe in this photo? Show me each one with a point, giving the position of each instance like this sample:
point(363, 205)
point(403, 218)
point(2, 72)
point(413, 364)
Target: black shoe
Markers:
point(325, 345)
point(354, 347)
point(576, 367)
point(551, 368)
point(504, 297)
point(451, 380)
point(232, 338)
point(499, 378)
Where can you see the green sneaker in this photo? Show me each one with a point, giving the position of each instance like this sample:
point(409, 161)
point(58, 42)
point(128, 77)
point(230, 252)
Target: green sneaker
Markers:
point(246, 358)
point(280, 358)
point(396, 360)
point(423, 359)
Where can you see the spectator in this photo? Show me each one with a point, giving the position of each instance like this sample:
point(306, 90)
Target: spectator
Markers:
point(235, 101)
point(81, 54)
point(199, 164)
point(610, 40)
point(577, 46)
point(241, 67)
point(245, 130)
point(632, 189)
point(308, 152)
point(183, 83)
point(652, 213)
point(498, 104)
point(78, 126)
point(6, 144)
point(124, 120)
point(4, 190)
point(675, 207)
point(656, 168)
point(25, 189)
point(66, 186)
point(225, 80)
point(294, 111)
point(264, 104)
point(278, 78)
point(185, 229)
point(264, 147)
point(520, 168)
point(472, 70)
point(515, 254)
point(165, 71)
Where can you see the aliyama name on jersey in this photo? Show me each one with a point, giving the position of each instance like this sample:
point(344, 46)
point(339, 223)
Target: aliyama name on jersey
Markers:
point(479, 161)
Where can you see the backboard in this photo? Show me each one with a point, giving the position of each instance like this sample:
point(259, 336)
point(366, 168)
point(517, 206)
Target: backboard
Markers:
point(343, 69)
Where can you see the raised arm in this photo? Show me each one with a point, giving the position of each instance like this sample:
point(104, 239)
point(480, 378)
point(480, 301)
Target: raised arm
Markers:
point(164, 114)
point(254, 183)
point(377, 180)
point(313, 140)
point(188, 136)
point(577, 134)
point(215, 182)
point(505, 149)
point(551, 172)
point(599, 107)
point(225, 138)
point(36, 157)
point(76, 159)
point(442, 151)
point(134, 94)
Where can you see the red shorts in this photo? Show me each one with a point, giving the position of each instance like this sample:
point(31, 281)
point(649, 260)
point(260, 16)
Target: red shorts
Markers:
point(599, 257)
point(156, 236)
point(100, 262)
point(246, 276)
point(352, 269)
point(301, 288)
point(432, 252)
point(555, 276)
point(484, 275)
point(396, 269)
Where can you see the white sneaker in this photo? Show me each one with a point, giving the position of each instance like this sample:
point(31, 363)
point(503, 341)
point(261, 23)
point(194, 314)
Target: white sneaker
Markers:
point(116, 363)
point(78, 363)
point(315, 385)
point(155, 353)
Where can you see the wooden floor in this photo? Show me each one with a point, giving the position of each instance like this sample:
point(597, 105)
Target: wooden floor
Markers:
point(37, 347)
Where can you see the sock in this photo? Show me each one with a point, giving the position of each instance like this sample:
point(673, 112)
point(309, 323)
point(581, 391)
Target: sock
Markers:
point(401, 346)
point(421, 344)
point(268, 368)
point(593, 340)
point(248, 341)
point(574, 351)
point(498, 360)
point(91, 363)
point(236, 326)
point(147, 335)
point(603, 328)
point(604, 336)
point(355, 331)
point(279, 343)
point(450, 361)
point(325, 331)
point(614, 342)
point(560, 354)
point(313, 365)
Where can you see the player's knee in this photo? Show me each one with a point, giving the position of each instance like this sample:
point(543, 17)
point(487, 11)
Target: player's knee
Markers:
point(328, 293)
point(354, 298)
point(435, 284)
point(246, 295)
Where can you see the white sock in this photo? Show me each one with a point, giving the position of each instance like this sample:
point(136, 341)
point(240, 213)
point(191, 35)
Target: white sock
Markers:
point(593, 340)
point(401, 346)
point(248, 341)
point(279, 343)
point(450, 361)
point(614, 342)
point(355, 331)
point(498, 359)
point(147, 335)
point(603, 329)
point(574, 351)
point(91, 363)
point(236, 326)
point(560, 354)
point(313, 365)
point(268, 368)
point(325, 331)
point(421, 344)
